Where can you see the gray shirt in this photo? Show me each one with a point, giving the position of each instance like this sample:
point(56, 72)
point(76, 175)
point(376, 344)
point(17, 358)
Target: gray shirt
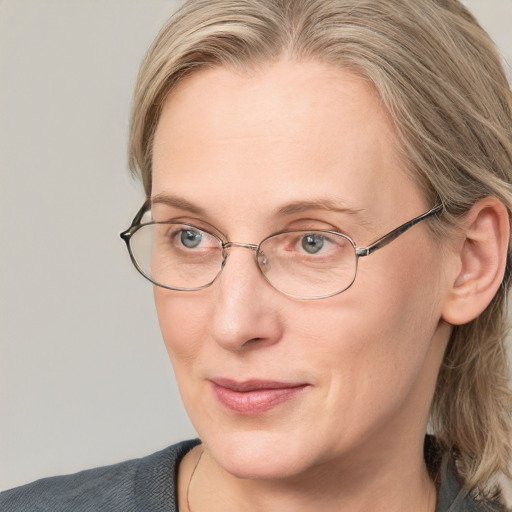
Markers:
point(149, 485)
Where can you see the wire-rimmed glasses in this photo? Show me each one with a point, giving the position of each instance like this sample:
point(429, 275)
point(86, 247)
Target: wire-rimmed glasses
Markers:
point(303, 264)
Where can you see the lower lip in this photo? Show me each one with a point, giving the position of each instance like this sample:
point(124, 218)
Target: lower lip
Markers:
point(257, 401)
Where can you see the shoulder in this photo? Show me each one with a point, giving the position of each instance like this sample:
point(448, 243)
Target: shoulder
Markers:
point(454, 497)
point(147, 483)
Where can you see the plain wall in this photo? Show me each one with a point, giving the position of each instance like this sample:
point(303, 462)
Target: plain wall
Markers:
point(84, 376)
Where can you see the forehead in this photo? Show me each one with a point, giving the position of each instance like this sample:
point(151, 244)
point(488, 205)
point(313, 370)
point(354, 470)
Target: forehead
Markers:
point(284, 99)
point(287, 132)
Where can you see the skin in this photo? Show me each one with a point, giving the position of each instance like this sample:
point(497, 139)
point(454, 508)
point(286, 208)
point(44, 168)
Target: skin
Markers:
point(240, 147)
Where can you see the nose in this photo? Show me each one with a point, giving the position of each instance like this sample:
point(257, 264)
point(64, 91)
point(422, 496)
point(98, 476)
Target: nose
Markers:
point(245, 312)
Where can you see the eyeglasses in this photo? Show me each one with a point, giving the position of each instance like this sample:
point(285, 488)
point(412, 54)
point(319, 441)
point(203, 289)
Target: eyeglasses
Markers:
point(303, 264)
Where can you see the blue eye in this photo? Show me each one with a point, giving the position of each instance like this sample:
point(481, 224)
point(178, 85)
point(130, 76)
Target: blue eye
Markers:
point(190, 238)
point(313, 243)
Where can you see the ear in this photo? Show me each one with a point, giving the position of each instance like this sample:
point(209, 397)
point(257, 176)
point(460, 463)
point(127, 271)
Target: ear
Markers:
point(480, 256)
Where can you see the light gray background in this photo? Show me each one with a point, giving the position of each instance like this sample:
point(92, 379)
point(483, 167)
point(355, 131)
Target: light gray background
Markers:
point(84, 376)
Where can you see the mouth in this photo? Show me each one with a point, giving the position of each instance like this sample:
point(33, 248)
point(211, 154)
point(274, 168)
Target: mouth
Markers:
point(254, 397)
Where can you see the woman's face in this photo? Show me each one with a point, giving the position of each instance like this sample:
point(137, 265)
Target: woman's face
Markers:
point(277, 386)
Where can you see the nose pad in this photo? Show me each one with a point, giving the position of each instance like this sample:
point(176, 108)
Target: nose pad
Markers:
point(263, 262)
point(225, 254)
point(229, 245)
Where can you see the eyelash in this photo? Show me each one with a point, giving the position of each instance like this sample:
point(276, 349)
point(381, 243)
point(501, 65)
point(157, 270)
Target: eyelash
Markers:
point(306, 224)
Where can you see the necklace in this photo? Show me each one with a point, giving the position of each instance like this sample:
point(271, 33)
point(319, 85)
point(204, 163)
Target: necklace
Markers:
point(190, 480)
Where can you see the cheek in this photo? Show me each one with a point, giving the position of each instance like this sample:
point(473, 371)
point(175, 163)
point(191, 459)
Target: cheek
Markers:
point(379, 345)
point(183, 321)
point(403, 304)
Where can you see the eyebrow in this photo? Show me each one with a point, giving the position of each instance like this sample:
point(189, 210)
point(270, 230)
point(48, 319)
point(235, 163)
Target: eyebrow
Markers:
point(317, 204)
point(294, 207)
point(177, 202)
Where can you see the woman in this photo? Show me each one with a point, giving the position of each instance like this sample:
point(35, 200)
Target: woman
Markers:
point(327, 227)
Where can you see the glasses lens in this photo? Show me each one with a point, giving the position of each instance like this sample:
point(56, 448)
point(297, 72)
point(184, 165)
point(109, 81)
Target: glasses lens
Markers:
point(308, 264)
point(176, 255)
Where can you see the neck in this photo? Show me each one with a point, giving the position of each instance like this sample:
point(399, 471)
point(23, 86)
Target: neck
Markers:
point(400, 484)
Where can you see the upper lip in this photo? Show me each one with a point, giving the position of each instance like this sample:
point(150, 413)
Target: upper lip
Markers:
point(254, 384)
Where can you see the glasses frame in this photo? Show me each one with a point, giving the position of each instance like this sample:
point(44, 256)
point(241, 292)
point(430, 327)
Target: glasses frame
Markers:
point(359, 251)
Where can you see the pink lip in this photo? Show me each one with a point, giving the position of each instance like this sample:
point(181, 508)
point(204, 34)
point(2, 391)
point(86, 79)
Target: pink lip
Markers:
point(254, 397)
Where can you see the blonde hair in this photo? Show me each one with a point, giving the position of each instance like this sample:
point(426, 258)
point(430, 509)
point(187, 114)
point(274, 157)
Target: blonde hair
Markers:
point(440, 77)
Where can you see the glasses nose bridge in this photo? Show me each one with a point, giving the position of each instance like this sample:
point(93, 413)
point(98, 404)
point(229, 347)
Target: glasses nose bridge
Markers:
point(228, 245)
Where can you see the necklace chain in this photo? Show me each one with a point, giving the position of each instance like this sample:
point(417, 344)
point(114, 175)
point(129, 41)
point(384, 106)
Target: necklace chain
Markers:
point(190, 480)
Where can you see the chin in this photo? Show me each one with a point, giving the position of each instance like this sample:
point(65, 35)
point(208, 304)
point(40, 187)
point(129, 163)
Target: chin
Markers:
point(257, 455)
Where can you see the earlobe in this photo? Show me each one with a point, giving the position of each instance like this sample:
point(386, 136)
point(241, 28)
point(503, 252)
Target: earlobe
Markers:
point(481, 259)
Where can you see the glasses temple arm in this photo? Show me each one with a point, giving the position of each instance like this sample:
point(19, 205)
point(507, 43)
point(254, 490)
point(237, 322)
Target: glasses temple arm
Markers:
point(125, 235)
point(395, 233)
